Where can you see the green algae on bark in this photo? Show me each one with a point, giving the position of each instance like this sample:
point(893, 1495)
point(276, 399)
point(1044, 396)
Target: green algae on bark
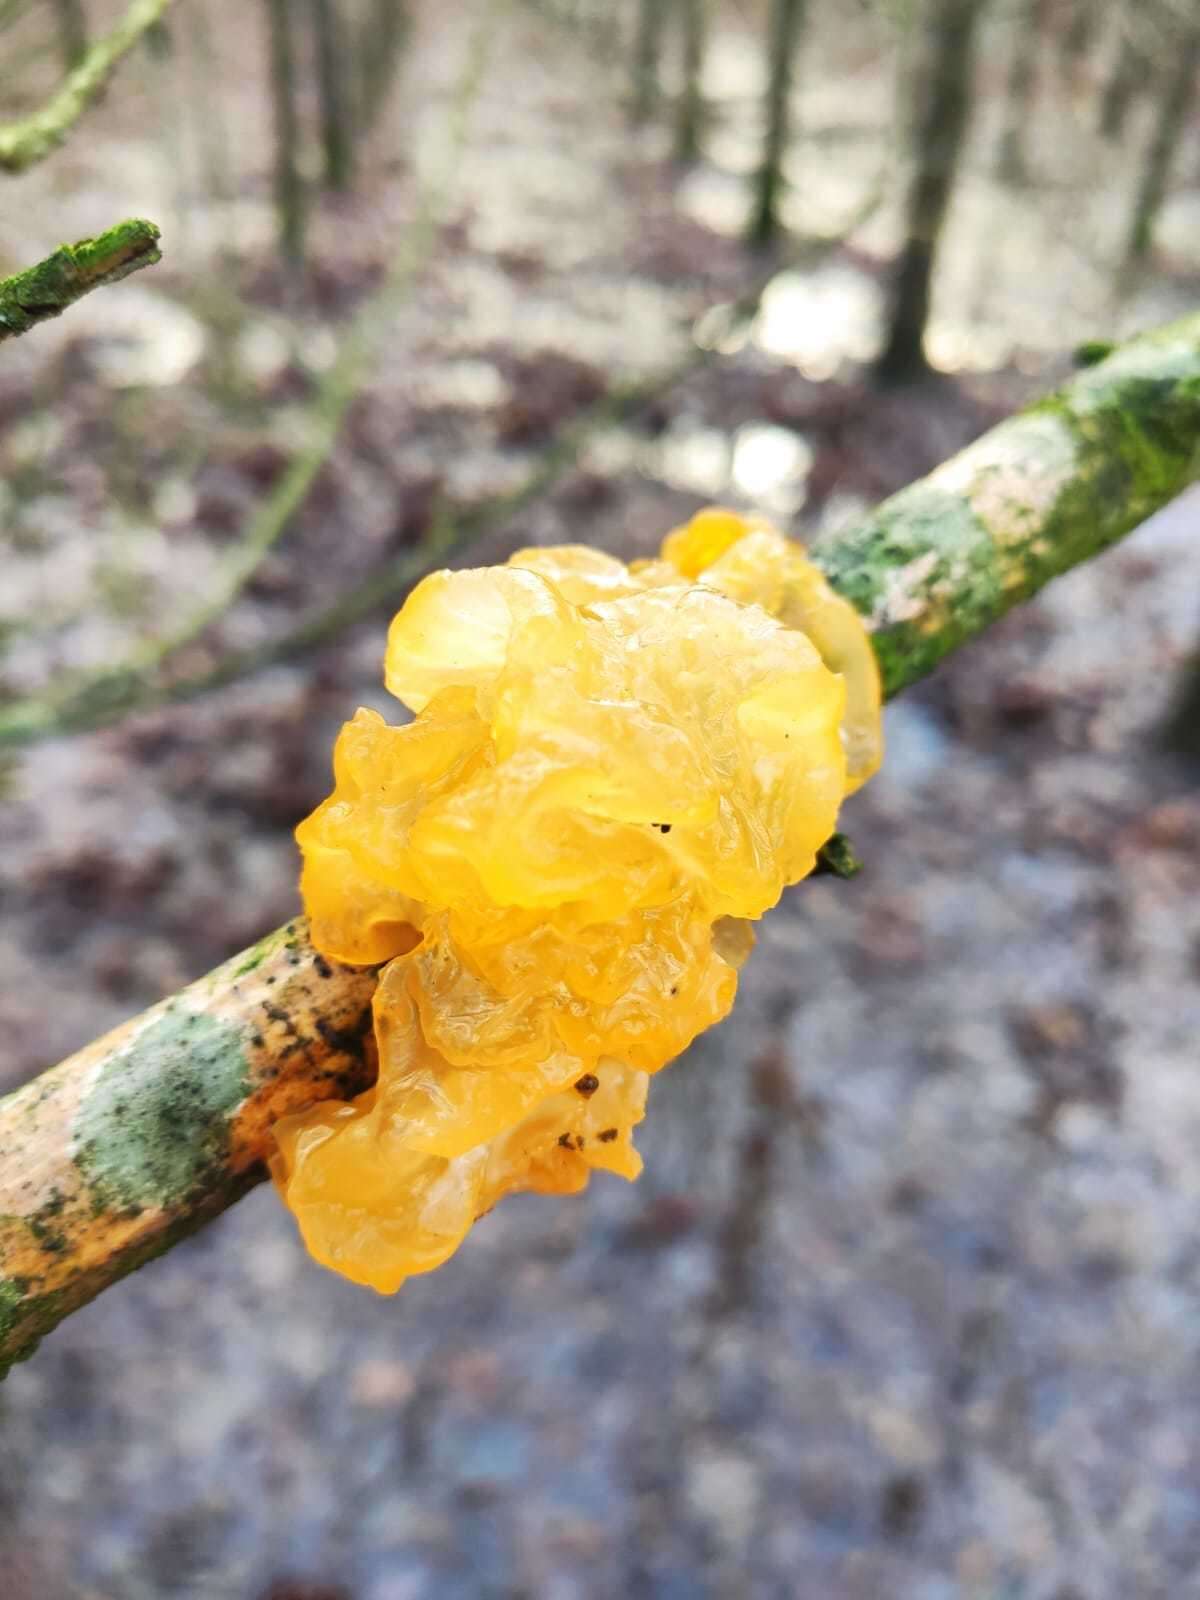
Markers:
point(46, 289)
point(109, 1158)
point(1041, 492)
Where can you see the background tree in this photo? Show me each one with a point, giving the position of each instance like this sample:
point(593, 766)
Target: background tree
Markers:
point(944, 115)
point(689, 114)
point(783, 38)
point(1177, 86)
point(290, 199)
point(647, 51)
point(1131, 69)
point(337, 129)
point(72, 32)
point(1029, 26)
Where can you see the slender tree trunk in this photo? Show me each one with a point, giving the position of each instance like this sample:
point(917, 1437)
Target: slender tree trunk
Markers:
point(1182, 731)
point(787, 22)
point(382, 35)
point(290, 200)
point(647, 51)
point(1029, 28)
point(208, 110)
point(337, 133)
point(1128, 79)
point(1079, 33)
point(1156, 168)
point(72, 32)
point(941, 133)
point(690, 116)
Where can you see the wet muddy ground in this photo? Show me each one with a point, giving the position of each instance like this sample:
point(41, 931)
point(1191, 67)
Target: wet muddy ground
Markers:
point(907, 1302)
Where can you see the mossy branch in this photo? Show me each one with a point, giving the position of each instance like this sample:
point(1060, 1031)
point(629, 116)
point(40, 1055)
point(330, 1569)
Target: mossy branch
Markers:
point(111, 1156)
point(23, 144)
point(47, 289)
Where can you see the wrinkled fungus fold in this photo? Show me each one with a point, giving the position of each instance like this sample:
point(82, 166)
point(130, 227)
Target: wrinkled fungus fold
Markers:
point(612, 770)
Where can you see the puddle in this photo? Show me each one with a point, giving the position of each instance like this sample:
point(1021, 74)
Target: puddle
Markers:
point(820, 319)
point(770, 467)
point(691, 457)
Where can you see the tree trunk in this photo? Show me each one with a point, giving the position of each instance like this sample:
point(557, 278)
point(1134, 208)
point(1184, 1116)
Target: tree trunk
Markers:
point(72, 32)
point(1079, 33)
point(337, 134)
point(1156, 168)
point(1128, 79)
point(647, 51)
point(1029, 28)
point(941, 133)
point(1182, 732)
point(690, 115)
point(787, 21)
point(290, 200)
point(379, 48)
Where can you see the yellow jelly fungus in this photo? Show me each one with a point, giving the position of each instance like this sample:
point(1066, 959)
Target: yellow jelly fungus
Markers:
point(610, 771)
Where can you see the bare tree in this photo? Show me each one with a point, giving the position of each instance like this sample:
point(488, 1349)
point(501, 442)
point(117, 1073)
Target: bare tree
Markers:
point(1028, 31)
point(1176, 96)
point(1077, 37)
point(337, 133)
point(1131, 71)
point(647, 51)
point(786, 25)
point(382, 35)
point(945, 101)
point(72, 32)
point(690, 113)
point(290, 198)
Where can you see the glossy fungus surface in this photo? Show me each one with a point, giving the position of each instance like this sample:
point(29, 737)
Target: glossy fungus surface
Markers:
point(611, 771)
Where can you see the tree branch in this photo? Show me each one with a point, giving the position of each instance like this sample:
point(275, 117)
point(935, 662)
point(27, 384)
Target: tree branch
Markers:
point(47, 289)
point(23, 144)
point(136, 1141)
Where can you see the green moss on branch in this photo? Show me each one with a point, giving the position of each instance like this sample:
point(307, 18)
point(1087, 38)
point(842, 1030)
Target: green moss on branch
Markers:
point(47, 289)
point(1043, 491)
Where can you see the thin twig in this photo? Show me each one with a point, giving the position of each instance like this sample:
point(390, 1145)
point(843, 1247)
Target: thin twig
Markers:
point(23, 144)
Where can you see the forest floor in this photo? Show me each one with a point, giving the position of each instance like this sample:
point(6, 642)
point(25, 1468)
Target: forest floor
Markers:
point(907, 1302)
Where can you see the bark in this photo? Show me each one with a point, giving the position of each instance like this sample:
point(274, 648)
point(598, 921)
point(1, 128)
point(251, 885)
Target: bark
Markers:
point(1029, 28)
point(110, 1157)
point(1182, 732)
point(1128, 79)
point(290, 199)
point(47, 289)
point(337, 133)
point(379, 48)
point(1156, 168)
point(72, 32)
point(647, 53)
point(1079, 33)
point(941, 134)
point(787, 22)
point(24, 143)
point(690, 112)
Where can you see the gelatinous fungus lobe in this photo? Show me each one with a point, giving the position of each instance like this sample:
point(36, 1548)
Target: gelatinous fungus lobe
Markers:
point(612, 770)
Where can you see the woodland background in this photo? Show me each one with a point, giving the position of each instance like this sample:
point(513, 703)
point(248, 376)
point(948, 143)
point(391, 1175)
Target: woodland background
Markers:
point(907, 1302)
